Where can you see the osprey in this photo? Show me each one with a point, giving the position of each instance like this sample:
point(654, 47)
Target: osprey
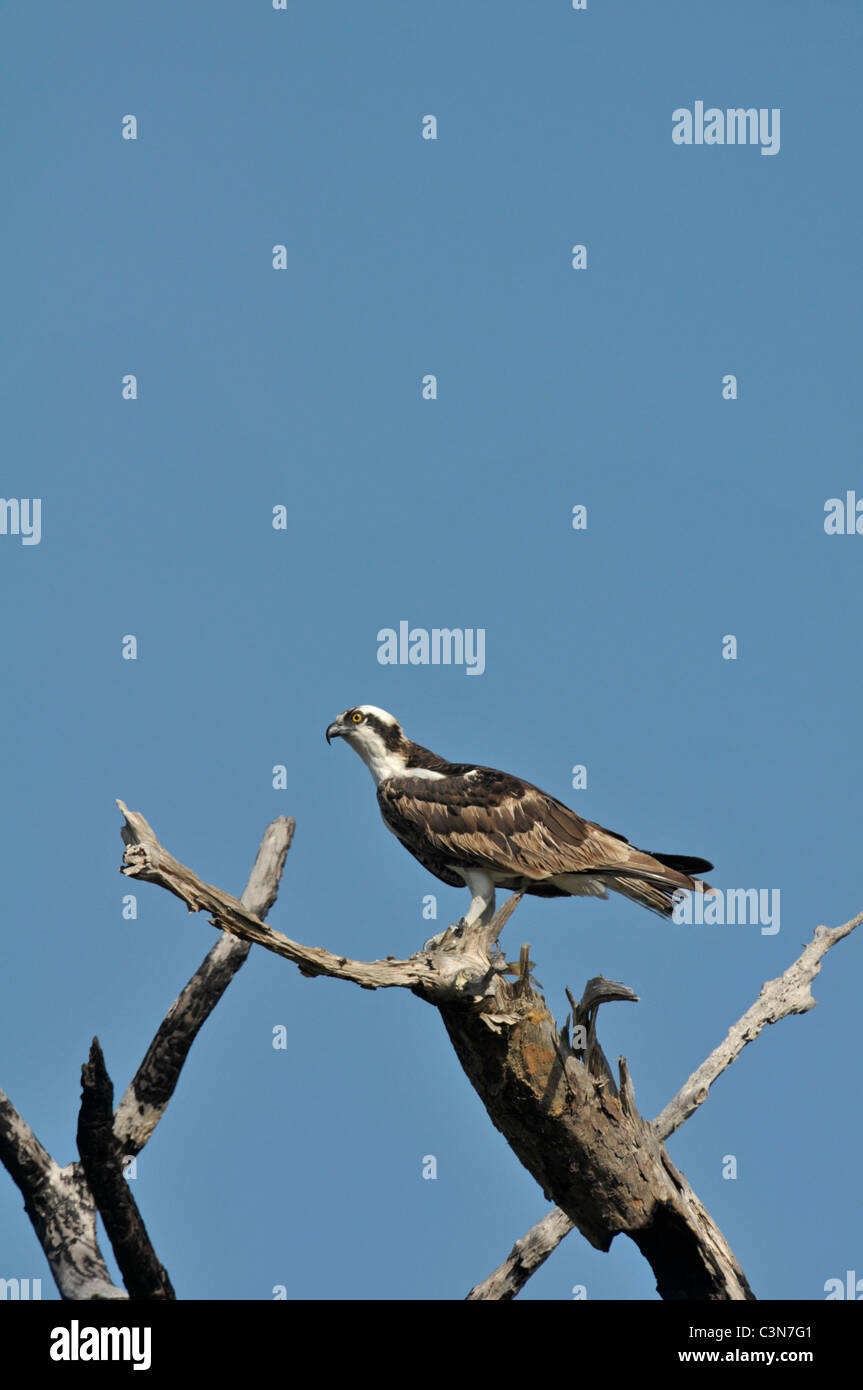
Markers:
point(486, 829)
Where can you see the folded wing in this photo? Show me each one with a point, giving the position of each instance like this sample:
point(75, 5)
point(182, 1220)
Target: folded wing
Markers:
point(481, 818)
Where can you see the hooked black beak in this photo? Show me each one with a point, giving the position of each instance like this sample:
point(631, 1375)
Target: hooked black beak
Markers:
point(333, 731)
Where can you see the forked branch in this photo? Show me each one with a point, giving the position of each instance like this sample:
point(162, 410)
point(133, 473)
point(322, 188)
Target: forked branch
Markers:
point(58, 1200)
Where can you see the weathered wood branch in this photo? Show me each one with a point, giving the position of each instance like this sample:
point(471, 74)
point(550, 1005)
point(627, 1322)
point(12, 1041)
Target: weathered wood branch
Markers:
point(29, 1165)
point(459, 968)
point(58, 1200)
point(789, 993)
point(587, 1147)
point(533, 1249)
point(525, 1258)
point(147, 1096)
point(102, 1160)
point(60, 1207)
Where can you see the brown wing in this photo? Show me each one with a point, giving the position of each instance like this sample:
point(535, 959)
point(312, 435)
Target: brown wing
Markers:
point(489, 820)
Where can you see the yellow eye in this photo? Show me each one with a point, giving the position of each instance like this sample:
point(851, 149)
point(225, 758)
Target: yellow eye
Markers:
point(356, 717)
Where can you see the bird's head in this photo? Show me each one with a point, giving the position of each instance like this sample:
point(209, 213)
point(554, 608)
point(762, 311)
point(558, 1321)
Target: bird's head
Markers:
point(376, 735)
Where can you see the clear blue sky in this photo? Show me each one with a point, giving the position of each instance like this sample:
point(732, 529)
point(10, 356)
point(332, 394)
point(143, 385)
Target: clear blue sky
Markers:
point(302, 387)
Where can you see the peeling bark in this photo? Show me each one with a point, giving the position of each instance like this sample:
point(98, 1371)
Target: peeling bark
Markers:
point(589, 1149)
point(60, 1207)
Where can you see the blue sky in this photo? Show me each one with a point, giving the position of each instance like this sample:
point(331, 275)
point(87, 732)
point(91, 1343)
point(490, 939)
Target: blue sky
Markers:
point(302, 387)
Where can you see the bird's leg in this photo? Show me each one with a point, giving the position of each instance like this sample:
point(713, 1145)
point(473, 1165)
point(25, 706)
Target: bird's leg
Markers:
point(481, 910)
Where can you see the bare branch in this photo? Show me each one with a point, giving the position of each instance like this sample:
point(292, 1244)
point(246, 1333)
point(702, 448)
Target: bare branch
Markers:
point(60, 1207)
point(790, 993)
point(150, 1090)
point(101, 1159)
point(58, 1200)
point(23, 1157)
point(525, 1257)
point(458, 969)
point(597, 991)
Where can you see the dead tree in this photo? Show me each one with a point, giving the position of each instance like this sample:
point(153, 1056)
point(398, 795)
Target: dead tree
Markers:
point(548, 1089)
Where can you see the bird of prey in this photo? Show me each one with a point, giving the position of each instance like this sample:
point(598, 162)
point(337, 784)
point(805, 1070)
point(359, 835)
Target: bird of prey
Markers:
point(486, 829)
